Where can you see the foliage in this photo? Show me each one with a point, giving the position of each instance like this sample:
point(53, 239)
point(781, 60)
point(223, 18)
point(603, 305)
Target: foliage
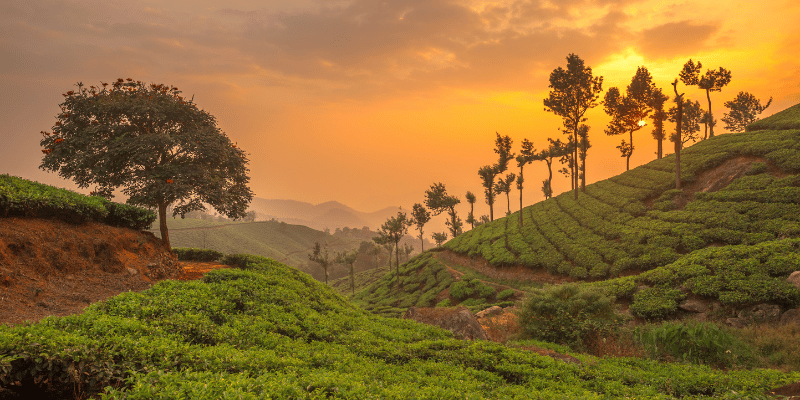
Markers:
point(656, 302)
point(567, 314)
point(712, 81)
point(782, 120)
point(160, 148)
point(321, 258)
point(439, 238)
point(629, 111)
point(271, 331)
point(438, 201)
point(392, 231)
point(743, 111)
point(574, 91)
point(419, 217)
point(21, 197)
point(696, 342)
point(192, 254)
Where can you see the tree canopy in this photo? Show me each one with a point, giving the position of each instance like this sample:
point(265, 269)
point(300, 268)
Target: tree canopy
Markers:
point(744, 110)
point(712, 81)
point(159, 147)
point(574, 91)
point(392, 231)
point(629, 111)
point(438, 201)
point(419, 217)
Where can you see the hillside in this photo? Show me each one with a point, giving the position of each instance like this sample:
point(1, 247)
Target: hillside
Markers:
point(330, 215)
point(267, 330)
point(283, 242)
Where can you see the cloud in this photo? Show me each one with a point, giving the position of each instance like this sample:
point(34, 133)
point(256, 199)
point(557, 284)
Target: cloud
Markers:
point(674, 39)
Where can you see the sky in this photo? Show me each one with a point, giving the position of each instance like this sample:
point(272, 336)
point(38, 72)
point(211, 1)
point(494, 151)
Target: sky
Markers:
point(370, 102)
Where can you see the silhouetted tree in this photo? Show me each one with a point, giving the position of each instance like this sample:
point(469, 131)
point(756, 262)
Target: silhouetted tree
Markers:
point(583, 149)
point(574, 91)
point(438, 201)
point(659, 116)
point(487, 174)
point(744, 110)
point(713, 81)
point(471, 199)
point(320, 257)
point(629, 111)
point(160, 148)
point(439, 238)
point(687, 122)
point(419, 217)
point(348, 258)
point(391, 232)
point(504, 186)
point(526, 156)
point(557, 149)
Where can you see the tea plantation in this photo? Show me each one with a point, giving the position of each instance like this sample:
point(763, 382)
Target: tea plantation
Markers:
point(265, 330)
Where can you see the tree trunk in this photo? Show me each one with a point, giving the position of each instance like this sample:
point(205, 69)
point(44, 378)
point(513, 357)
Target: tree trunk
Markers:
point(710, 116)
point(508, 201)
point(630, 153)
point(162, 223)
point(678, 145)
point(472, 212)
point(520, 199)
point(397, 262)
point(660, 152)
point(421, 241)
point(575, 160)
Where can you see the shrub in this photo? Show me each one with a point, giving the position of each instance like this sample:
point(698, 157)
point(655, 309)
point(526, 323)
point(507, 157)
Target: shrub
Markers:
point(567, 314)
point(505, 294)
point(702, 343)
point(656, 302)
point(193, 254)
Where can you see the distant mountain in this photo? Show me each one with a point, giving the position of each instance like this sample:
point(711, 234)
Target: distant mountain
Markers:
point(330, 214)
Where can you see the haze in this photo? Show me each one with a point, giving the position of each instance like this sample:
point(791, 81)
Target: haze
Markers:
point(370, 102)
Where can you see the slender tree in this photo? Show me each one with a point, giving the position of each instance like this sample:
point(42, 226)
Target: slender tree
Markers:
point(583, 149)
point(692, 116)
point(419, 217)
point(629, 111)
point(471, 199)
point(392, 231)
point(487, 174)
point(713, 81)
point(574, 91)
point(502, 146)
point(526, 156)
point(677, 136)
point(557, 149)
point(659, 115)
point(438, 201)
point(159, 147)
point(439, 238)
point(348, 258)
point(504, 186)
point(744, 110)
point(320, 257)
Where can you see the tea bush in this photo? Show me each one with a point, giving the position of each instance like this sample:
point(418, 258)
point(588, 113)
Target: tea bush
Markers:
point(567, 314)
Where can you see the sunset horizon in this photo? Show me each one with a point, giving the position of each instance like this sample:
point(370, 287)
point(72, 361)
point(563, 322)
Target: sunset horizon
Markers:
point(370, 103)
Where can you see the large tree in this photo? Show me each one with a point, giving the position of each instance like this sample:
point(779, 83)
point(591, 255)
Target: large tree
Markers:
point(160, 148)
point(744, 110)
point(471, 199)
point(438, 201)
point(659, 115)
point(712, 81)
point(419, 217)
point(526, 156)
point(392, 231)
point(574, 91)
point(629, 111)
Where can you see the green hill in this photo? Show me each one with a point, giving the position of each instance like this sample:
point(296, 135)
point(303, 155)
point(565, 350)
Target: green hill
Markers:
point(786, 119)
point(269, 331)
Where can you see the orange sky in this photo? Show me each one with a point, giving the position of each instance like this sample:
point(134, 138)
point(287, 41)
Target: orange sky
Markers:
point(370, 102)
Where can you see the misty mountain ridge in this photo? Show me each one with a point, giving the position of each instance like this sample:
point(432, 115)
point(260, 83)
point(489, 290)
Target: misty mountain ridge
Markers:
point(330, 214)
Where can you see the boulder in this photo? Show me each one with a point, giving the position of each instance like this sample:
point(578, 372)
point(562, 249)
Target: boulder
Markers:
point(694, 305)
point(794, 279)
point(493, 310)
point(791, 317)
point(458, 320)
point(761, 313)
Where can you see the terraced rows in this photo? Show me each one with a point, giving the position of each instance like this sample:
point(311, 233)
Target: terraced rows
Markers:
point(631, 221)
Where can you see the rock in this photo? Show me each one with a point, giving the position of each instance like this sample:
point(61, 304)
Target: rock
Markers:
point(737, 322)
point(694, 305)
point(132, 271)
point(493, 310)
point(761, 313)
point(794, 279)
point(460, 321)
point(791, 317)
